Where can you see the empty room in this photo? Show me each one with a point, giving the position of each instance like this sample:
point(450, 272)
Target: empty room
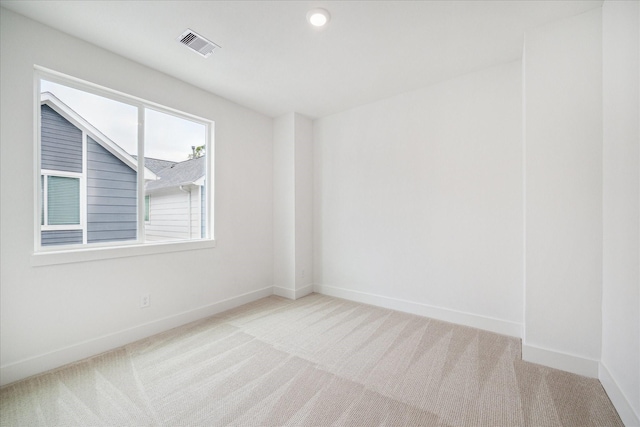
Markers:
point(320, 213)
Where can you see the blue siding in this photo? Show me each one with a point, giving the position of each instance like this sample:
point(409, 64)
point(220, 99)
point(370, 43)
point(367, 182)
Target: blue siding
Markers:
point(111, 197)
point(61, 237)
point(61, 142)
point(60, 149)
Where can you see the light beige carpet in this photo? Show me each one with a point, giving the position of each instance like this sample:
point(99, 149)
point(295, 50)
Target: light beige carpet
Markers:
point(317, 361)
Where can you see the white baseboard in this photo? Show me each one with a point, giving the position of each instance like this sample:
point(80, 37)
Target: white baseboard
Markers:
point(499, 326)
point(293, 294)
point(629, 417)
point(559, 360)
point(284, 292)
point(303, 292)
point(35, 365)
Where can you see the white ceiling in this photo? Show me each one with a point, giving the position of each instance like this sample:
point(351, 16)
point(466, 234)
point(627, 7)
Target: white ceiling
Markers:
point(274, 62)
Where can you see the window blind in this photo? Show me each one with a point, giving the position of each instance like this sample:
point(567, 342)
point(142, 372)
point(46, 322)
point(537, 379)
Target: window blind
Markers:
point(63, 207)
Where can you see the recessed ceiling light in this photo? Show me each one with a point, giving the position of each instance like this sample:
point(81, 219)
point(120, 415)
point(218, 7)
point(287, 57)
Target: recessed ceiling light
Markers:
point(318, 17)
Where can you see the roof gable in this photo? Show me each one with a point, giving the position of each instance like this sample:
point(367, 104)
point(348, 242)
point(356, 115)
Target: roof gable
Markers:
point(77, 120)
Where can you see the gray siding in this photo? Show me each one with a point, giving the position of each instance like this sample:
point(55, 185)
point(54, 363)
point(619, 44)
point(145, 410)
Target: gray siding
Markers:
point(111, 197)
point(61, 142)
point(60, 149)
point(61, 237)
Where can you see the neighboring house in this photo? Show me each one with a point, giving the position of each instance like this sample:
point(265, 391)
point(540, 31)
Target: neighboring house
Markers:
point(89, 186)
point(176, 201)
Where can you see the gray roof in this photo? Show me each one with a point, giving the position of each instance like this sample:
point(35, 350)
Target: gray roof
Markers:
point(175, 174)
point(156, 165)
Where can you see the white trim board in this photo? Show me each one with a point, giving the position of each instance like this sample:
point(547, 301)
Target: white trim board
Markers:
point(559, 360)
point(38, 364)
point(293, 294)
point(618, 398)
point(499, 326)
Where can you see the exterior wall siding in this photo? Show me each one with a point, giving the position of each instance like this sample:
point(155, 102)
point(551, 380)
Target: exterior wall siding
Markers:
point(61, 142)
point(169, 216)
point(60, 150)
point(61, 237)
point(111, 197)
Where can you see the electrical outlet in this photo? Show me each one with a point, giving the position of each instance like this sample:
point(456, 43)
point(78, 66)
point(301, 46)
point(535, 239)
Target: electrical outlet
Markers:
point(145, 300)
point(304, 273)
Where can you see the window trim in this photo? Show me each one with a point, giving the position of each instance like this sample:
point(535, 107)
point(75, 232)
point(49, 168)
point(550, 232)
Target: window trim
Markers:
point(59, 254)
point(81, 253)
point(45, 226)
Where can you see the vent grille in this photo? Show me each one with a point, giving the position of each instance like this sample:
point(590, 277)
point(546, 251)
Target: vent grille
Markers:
point(197, 43)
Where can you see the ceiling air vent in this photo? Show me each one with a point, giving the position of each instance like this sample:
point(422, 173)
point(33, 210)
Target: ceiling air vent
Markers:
point(198, 43)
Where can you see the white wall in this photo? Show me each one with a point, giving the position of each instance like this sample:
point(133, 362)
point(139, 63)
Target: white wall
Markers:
point(304, 204)
point(418, 201)
point(53, 314)
point(284, 217)
point(620, 362)
point(292, 206)
point(563, 139)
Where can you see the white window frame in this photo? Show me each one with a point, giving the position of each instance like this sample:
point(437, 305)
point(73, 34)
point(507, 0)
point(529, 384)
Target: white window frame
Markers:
point(61, 254)
point(82, 196)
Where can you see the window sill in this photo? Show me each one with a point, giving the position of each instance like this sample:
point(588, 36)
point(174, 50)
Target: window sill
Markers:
point(110, 252)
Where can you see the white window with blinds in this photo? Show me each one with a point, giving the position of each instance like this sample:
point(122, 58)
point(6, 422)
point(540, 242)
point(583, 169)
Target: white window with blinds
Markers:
point(61, 202)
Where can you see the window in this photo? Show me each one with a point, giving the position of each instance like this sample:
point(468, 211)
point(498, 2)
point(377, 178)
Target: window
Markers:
point(61, 200)
point(147, 204)
point(101, 158)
